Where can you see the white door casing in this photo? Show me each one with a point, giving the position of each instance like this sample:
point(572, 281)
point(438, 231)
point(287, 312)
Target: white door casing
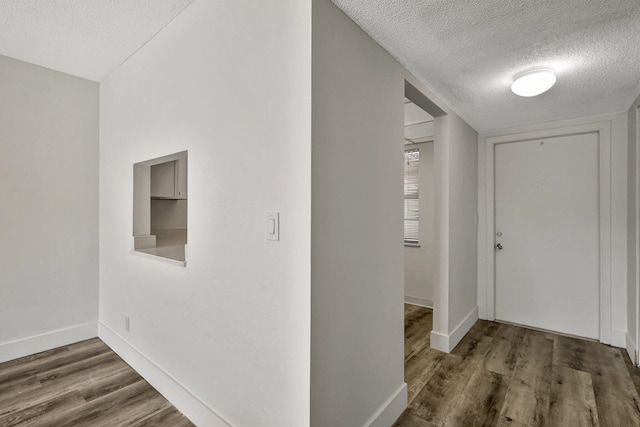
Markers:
point(603, 131)
point(636, 345)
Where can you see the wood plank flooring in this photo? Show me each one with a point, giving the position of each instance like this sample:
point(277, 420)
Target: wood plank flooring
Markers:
point(504, 375)
point(83, 384)
point(499, 375)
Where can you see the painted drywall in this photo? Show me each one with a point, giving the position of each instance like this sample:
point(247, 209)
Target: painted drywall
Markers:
point(167, 214)
point(229, 334)
point(463, 203)
point(419, 262)
point(49, 219)
point(357, 225)
point(633, 303)
point(619, 136)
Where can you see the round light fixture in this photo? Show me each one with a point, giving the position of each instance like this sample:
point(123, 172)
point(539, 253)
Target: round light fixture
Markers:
point(533, 82)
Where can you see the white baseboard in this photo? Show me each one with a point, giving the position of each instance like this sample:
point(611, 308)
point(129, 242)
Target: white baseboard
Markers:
point(390, 410)
point(446, 343)
point(439, 341)
point(618, 339)
point(630, 345)
point(462, 328)
point(184, 400)
point(422, 302)
point(35, 344)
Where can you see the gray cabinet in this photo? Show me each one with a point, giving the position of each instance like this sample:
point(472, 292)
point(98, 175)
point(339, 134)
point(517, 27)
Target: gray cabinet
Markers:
point(169, 179)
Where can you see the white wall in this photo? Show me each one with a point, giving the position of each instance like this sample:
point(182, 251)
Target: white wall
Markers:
point(463, 204)
point(357, 364)
point(619, 129)
point(227, 336)
point(455, 303)
point(49, 231)
point(633, 302)
point(419, 262)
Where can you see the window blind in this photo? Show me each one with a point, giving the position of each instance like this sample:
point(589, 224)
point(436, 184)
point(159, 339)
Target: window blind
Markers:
point(411, 196)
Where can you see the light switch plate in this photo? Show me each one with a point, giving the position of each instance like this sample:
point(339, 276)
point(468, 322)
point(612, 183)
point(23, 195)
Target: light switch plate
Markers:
point(273, 226)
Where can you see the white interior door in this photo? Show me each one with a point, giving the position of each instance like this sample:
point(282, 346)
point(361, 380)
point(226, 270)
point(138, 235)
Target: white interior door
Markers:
point(547, 224)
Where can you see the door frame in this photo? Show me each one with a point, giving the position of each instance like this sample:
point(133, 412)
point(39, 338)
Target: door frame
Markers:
point(603, 129)
point(636, 345)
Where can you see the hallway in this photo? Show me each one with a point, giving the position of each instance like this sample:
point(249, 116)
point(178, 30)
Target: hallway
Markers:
point(503, 375)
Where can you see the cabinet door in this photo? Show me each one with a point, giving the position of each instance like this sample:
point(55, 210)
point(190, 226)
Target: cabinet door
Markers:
point(163, 180)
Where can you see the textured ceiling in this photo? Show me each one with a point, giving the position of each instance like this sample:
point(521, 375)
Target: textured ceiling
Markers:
point(86, 38)
point(467, 52)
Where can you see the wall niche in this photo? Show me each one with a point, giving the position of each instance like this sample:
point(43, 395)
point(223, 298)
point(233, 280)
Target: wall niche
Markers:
point(160, 208)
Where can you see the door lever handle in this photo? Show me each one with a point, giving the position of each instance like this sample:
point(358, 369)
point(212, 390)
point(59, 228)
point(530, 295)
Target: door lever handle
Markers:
point(499, 246)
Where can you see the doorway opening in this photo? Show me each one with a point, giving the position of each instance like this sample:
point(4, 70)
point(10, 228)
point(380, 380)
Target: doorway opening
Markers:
point(419, 233)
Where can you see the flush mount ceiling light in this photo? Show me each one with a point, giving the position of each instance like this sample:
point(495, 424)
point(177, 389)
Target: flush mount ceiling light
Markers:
point(533, 82)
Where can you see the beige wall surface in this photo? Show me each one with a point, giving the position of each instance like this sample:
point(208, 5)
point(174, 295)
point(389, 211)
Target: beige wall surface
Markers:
point(49, 214)
point(357, 223)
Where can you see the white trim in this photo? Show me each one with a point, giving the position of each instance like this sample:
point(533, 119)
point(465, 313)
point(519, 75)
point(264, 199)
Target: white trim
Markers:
point(180, 396)
point(618, 339)
point(422, 302)
point(635, 340)
point(447, 343)
point(462, 328)
point(630, 345)
point(441, 156)
point(390, 410)
point(35, 344)
point(439, 341)
point(490, 232)
point(604, 141)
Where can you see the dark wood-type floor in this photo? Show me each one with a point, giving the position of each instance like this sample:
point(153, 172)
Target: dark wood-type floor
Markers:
point(503, 375)
point(83, 384)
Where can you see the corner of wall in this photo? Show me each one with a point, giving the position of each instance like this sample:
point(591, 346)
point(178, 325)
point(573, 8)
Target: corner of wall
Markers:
point(175, 392)
point(482, 312)
point(447, 342)
point(630, 345)
point(390, 410)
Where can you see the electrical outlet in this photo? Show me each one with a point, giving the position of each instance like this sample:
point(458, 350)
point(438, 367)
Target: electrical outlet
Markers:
point(127, 323)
